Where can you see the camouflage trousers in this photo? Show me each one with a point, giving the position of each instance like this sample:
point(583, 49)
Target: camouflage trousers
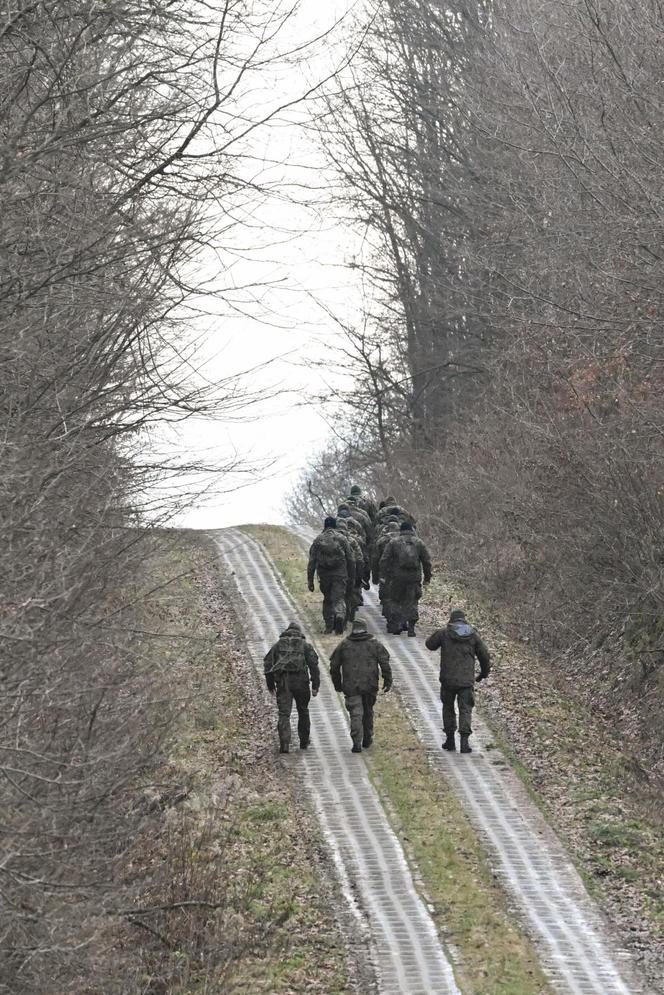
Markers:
point(401, 599)
point(333, 588)
point(293, 687)
point(353, 601)
point(465, 697)
point(360, 708)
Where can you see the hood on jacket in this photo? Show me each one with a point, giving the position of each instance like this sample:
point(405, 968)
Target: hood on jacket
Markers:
point(293, 630)
point(460, 630)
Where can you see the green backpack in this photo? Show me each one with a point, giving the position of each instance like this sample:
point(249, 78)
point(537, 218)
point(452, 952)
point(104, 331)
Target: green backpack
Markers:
point(290, 655)
point(330, 553)
point(408, 555)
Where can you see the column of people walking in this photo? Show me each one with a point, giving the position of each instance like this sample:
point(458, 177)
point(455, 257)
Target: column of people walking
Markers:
point(366, 542)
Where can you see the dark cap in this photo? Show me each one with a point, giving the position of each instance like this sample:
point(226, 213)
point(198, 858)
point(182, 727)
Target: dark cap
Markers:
point(406, 527)
point(330, 523)
point(359, 625)
point(355, 489)
point(457, 615)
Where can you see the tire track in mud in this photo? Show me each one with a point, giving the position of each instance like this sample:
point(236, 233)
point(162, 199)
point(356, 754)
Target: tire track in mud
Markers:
point(407, 952)
point(572, 938)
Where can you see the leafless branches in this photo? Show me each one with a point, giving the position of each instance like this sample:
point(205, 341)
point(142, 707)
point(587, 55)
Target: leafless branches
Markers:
point(123, 132)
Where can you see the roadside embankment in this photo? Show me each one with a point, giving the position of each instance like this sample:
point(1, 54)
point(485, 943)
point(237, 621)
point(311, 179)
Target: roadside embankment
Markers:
point(587, 781)
point(229, 886)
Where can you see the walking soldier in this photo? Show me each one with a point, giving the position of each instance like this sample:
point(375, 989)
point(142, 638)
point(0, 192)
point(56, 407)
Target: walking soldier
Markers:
point(460, 645)
point(355, 666)
point(288, 666)
point(332, 559)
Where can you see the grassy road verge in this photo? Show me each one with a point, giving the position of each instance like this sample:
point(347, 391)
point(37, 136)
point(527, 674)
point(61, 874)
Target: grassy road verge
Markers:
point(592, 790)
point(493, 955)
point(228, 889)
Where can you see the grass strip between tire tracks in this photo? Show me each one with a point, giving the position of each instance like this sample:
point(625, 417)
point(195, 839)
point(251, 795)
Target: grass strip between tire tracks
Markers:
point(493, 956)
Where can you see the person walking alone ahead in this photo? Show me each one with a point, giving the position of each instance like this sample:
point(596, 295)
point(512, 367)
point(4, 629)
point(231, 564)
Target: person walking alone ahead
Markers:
point(331, 557)
point(288, 665)
point(460, 645)
point(355, 666)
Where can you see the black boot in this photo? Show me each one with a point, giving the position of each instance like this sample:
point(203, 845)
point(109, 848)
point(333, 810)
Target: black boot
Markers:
point(367, 741)
point(328, 629)
point(304, 744)
point(411, 629)
point(339, 625)
point(449, 743)
point(356, 748)
point(465, 745)
point(283, 748)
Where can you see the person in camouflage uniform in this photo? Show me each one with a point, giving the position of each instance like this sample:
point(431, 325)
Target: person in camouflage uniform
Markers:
point(359, 532)
point(360, 517)
point(389, 531)
point(331, 557)
point(365, 503)
point(355, 666)
point(405, 559)
point(460, 645)
point(354, 590)
point(354, 505)
point(288, 666)
point(390, 507)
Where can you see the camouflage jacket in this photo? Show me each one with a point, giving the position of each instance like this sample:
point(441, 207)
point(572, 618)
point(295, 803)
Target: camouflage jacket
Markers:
point(394, 509)
point(362, 518)
point(459, 647)
point(358, 555)
point(368, 505)
point(391, 562)
point(292, 643)
point(356, 663)
point(378, 550)
point(346, 564)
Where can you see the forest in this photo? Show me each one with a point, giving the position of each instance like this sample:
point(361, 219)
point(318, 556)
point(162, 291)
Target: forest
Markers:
point(505, 380)
point(501, 161)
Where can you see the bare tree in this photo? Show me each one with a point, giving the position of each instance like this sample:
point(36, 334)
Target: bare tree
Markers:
point(124, 154)
point(501, 160)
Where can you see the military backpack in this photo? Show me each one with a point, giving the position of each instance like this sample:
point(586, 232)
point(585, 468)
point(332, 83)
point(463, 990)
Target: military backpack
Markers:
point(408, 555)
point(289, 656)
point(329, 553)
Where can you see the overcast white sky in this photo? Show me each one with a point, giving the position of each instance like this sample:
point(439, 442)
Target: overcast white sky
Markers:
point(288, 327)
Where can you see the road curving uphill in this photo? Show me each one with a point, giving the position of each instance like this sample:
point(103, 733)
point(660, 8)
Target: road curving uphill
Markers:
point(407, 951)
point(573, 941)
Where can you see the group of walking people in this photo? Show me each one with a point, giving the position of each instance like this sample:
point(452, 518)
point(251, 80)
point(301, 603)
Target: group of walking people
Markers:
point(365, 542)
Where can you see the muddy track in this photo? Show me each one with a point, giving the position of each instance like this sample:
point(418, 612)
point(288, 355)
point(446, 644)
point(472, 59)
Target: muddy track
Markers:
point(407, 951)
point(572, 937)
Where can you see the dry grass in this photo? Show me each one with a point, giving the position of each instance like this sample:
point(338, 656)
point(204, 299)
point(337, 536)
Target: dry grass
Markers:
point(494, 956)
